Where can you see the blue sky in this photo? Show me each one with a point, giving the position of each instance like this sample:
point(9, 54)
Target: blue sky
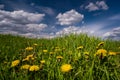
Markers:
point(51, 18)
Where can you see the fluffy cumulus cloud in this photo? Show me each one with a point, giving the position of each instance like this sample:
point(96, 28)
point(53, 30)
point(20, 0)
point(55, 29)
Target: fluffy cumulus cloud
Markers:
point(69, 17)
point(99, 5)
point(46, 10)
point(74, 30)
point(114, 34)
point(21, 23)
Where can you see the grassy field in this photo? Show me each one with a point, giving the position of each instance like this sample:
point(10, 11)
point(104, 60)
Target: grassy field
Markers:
point(73, 57)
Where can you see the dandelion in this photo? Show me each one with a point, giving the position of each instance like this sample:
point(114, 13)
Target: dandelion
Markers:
point(86, 53)
point(25, 59)
point(59, 57)
point(101, 52)
point(25, 66)
point(100, 44)
point(42, 61)
point(66, 68)
point(51, 53)
point(15, 63)
point(35, 44)
point(57, 49)
point(34, 68)
point(118, 47)
point(112, 53)
point(29, 57)
point(97, 47)
point(29, 48)
point(80, 47)
point(45, 51)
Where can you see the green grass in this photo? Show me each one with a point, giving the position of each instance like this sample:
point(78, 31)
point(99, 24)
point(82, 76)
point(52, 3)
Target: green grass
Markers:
point(91, 68)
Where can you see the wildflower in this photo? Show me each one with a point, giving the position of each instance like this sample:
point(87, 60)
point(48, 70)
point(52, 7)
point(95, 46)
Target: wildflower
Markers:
point(112, 53)
point(100, 44)
point(15, 63)
point(97, 47)
point(51, 53)
point(80, 47)
point(57, 49)
point(34, 68)
point(101, 52)
point(25, 66)
point(42, 61)
point(119, 47)
point(35, 44)
point(59, 57)
point(29, 57)
point(25, 59)
point(45, 51)
point(86, 53)
point(66, 68)
point(29, 48)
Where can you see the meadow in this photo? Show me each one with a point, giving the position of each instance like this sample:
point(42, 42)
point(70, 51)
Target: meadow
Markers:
point(71, 57)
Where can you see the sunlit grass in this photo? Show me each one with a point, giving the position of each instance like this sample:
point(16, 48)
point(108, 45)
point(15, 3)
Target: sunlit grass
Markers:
point(73, 57)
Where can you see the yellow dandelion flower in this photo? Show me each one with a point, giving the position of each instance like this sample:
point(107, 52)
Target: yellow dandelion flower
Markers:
point(119, 47)
point(30, 56)
point(86, 53)
point(101, 43)
point(45, 51)
point(112, 53)
point(15, 63)
point(29, 48)
point(35, 44)
point(34, 68)
point(51, 53)
point(97, 47)
point(57, 49)
point(101, 53)
point(66, 68)
point(86, 57)
point(80, 47)
point(59, 57)
point(25, 66)
point(25, 59)
point(42, 61)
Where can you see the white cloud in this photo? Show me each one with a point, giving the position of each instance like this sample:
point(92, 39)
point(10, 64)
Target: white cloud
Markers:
point(46, 10)
point(74, 30)
point(99, 5)
point(36, 27)
point(68, 30)
point(102, 5)
point(69, 17)
point(21, 23)
point(92, 7)
point(1, 6)
point(21, 16)
point(114, 34)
